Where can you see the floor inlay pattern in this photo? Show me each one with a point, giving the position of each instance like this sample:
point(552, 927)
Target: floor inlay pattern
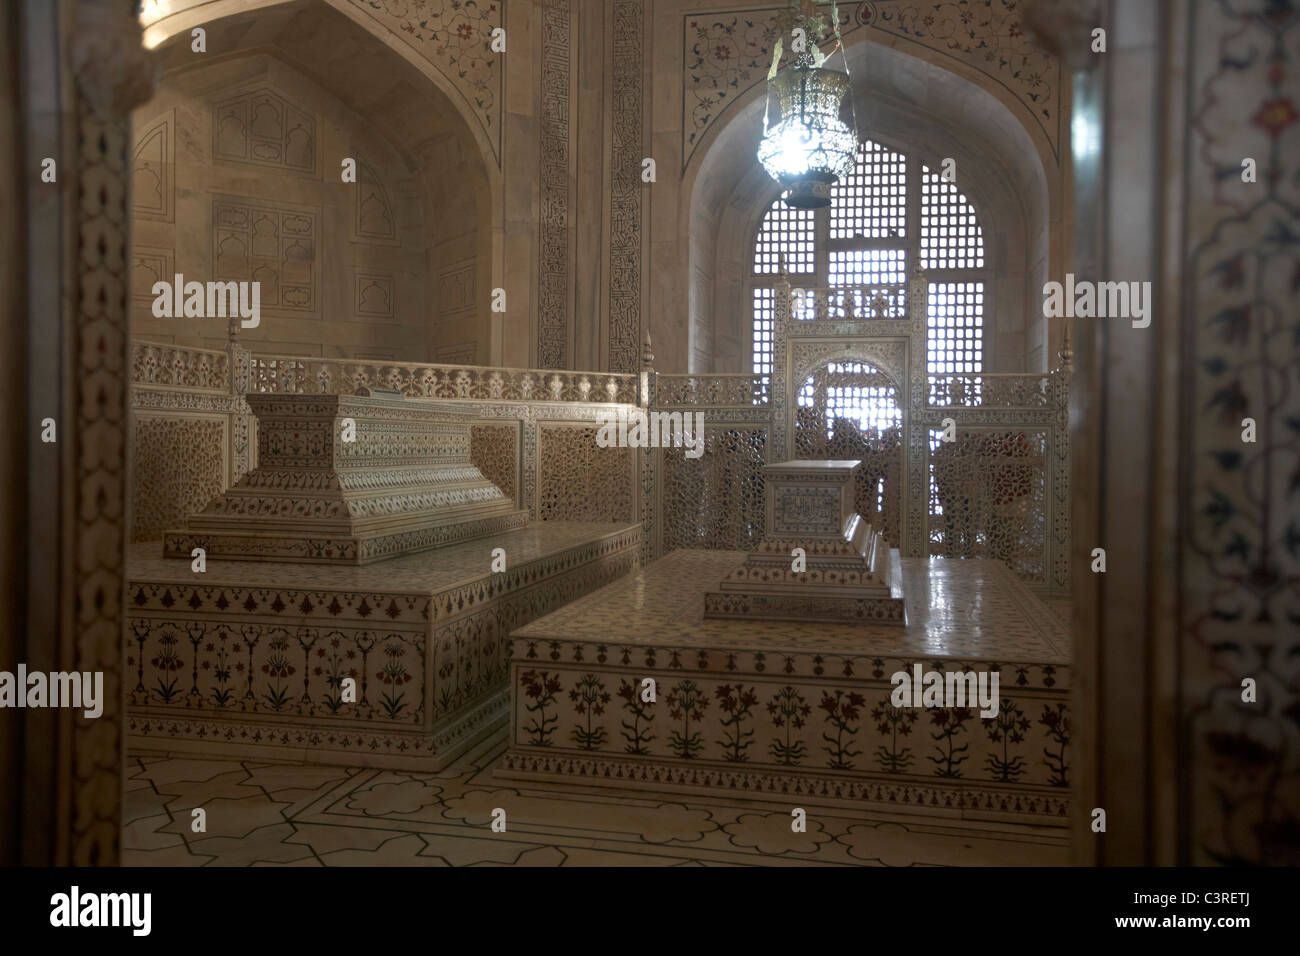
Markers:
point(266, 814)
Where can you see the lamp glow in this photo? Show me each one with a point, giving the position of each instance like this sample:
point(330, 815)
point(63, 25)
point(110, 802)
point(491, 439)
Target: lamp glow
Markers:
point(792, 149)
point(809, 148)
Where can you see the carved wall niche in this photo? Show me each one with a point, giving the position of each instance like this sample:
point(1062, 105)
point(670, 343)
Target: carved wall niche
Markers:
point(261, 215)
point(375, 295)
point(454, 39)
point(373, 218)
point(150, 264)
point(726, 54)
point(263, 128)
point(456, 289)
point(456, 315)
point(271, 243)
point(153, 161)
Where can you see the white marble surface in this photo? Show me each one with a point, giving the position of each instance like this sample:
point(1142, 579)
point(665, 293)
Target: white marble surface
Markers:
point(962, 608)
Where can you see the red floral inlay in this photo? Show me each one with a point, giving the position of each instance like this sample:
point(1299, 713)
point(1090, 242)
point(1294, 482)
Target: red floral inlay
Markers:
point(1275, 116)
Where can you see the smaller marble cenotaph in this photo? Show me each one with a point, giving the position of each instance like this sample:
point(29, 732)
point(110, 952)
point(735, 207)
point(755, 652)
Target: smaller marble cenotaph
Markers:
point(846, 573)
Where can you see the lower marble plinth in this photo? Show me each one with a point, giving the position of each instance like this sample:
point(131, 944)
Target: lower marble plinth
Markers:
point(771, 708)
point(827, 608)
point(777, 594)
point(248, 659)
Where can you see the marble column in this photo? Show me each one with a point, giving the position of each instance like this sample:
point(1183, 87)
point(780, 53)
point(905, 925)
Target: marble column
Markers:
point(74, 71)
point(1198, 595)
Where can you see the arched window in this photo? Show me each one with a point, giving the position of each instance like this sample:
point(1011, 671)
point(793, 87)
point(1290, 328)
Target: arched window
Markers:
point(891, 211)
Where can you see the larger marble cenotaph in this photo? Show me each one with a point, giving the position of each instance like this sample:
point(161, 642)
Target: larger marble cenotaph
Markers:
point(348, 479)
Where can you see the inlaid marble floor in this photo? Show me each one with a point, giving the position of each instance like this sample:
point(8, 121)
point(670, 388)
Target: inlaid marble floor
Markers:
point(266, 814)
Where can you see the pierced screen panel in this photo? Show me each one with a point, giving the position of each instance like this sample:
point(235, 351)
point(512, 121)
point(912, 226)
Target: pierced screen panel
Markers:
point(951, 237)
point(868, 267)
point(785, 230)
point(955, 342)
point(764, 317)
point(872, 201)
point(988, 497)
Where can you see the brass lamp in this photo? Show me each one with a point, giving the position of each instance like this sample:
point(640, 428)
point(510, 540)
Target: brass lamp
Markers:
point(809, 148)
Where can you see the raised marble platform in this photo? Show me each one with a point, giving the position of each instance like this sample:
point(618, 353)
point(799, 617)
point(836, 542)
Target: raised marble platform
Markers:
point(842, 572)
point(798, 710)
point(347, 479)
point(248, 657)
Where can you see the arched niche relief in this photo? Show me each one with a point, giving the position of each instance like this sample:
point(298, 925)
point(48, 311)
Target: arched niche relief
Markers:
point(373, 216)
point(153, 169)
point(928, 113)
point(261, 126)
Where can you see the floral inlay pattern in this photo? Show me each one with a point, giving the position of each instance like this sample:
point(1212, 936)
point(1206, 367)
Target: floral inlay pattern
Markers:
point(1239, 589)
point(726, 54)
point(455, 37)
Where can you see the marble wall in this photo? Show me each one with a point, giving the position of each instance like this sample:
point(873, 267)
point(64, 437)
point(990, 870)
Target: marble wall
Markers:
point(65, 292)
point(922, 87)
point(238, 174)
point(1199, 596)
point(592, 252)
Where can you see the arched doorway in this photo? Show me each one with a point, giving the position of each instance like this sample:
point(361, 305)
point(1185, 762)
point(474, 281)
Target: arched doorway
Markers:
point(845, 410)
point(918, 120)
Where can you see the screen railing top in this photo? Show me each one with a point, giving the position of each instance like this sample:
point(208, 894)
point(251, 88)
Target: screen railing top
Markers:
point(949, 390)
point(990, 390)
point(287, 374)
point(179, 366)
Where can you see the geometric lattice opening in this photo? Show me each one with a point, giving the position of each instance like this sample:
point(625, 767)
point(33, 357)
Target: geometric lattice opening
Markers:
point(764, 317)
point(955, 337)
point(787, 232)
point(865, 250)
point(852, 392)
point(871, 202)
point(868, 267)
point(951, 237)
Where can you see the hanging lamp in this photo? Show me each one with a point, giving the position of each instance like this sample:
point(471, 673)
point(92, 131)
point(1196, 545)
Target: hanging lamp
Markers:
point(809, 148)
